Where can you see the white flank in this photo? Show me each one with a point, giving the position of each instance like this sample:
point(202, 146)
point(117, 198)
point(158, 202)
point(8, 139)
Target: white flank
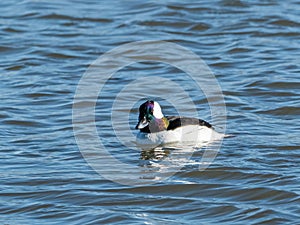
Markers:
point(192, 134)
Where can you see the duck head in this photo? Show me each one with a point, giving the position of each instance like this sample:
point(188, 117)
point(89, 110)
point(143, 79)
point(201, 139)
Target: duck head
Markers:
point(149, 111)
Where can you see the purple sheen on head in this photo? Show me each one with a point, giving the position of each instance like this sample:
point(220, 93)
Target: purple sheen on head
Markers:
point(146, 108)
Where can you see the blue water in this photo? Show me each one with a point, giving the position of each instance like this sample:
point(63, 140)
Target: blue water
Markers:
point(252, 49)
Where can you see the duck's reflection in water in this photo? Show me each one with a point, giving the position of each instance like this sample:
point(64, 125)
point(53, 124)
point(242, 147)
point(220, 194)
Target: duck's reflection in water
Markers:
point(158, 153)
point(161, 162)
point(166, 157)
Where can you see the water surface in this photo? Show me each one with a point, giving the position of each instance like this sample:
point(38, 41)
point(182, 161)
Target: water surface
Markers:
point(251, 47)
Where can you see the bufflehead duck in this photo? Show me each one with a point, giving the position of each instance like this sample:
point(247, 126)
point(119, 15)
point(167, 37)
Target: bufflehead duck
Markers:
point(157, 129)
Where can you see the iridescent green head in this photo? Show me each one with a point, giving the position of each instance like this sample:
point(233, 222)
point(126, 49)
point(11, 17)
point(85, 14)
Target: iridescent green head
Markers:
point(149, 111)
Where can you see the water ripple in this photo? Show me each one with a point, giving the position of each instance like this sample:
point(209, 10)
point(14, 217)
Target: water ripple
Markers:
point(253, 50)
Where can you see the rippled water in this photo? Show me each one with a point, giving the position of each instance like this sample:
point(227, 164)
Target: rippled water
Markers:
point(252, 47)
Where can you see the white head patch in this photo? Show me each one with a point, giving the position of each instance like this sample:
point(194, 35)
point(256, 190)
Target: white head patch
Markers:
point(157, 111)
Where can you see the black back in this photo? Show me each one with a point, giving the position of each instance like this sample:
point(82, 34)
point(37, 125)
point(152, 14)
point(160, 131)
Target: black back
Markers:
point(175, 122)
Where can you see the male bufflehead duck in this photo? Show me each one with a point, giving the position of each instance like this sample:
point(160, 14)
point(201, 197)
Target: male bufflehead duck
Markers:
point(157, 129)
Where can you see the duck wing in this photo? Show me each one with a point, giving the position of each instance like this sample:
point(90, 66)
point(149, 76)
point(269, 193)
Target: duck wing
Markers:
point(176, 121)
